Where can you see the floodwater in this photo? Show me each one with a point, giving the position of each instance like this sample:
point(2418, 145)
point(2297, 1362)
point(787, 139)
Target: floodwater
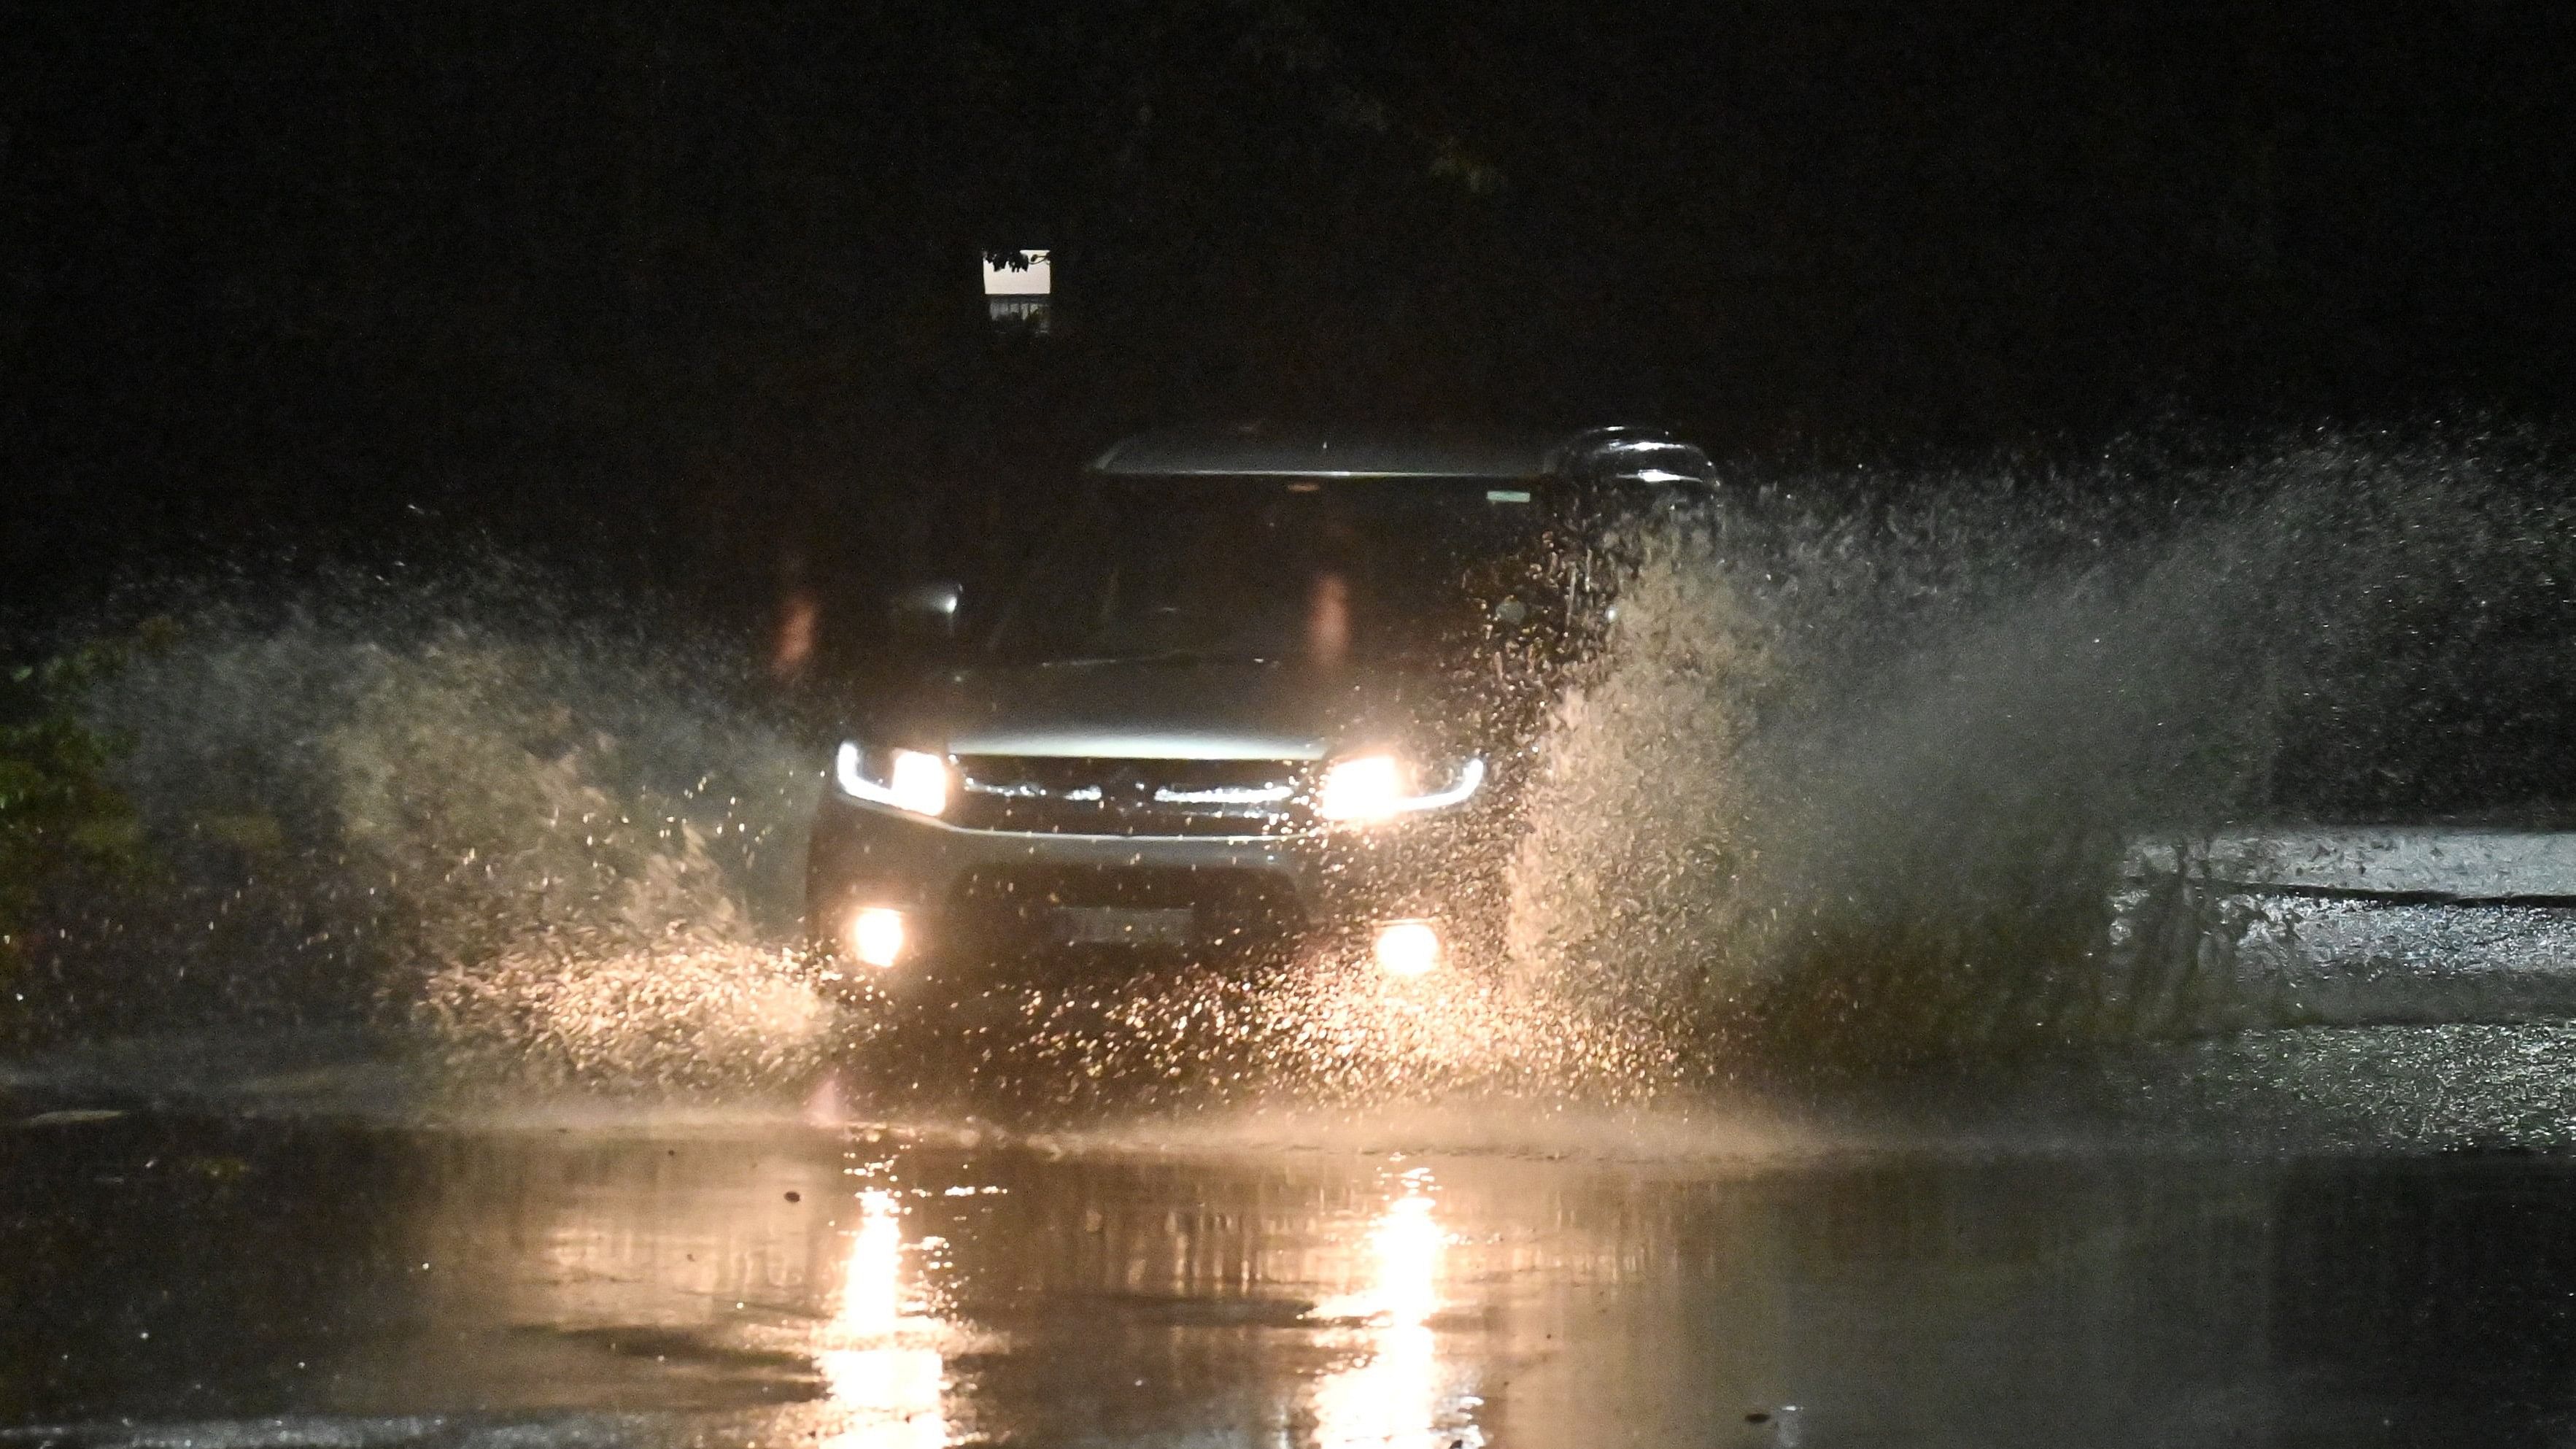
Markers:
point(244, 1281)
point(1851, 790)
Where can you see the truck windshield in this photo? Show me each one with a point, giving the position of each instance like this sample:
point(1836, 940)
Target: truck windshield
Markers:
point(1190, 569)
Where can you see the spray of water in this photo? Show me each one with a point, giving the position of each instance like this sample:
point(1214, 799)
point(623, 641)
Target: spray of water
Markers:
point(546, 844)
point(1324, 1034)
point(1852, 782)
point(1850, 787)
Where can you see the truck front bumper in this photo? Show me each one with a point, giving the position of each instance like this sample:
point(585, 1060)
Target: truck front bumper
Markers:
point(965, 894)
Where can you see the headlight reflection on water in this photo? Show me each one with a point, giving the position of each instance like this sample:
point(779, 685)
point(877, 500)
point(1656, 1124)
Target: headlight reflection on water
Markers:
point(886, 1383)
point(1399, 1392)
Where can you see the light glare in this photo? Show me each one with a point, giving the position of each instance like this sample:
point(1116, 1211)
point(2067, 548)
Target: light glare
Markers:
point(877, 936)
point(915, 781)
point(1407, 948)
point(1370, 787)
point(1367, 789)
point(882, 1369)
point(918, 782)
point(1402, 1392)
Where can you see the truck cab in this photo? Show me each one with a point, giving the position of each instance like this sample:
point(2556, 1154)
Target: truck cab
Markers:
point(1256, 691)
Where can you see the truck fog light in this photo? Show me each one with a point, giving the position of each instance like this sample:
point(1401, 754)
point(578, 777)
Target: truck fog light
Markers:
point(876, 936)
point(1407, 948)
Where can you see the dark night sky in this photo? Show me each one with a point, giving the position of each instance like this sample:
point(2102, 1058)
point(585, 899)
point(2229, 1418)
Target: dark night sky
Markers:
point(694, 285)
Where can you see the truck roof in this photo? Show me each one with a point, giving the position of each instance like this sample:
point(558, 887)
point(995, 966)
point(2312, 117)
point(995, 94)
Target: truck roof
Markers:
point(1255, 451)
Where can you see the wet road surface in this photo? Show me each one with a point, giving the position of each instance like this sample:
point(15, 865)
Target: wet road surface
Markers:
point(187, 1281)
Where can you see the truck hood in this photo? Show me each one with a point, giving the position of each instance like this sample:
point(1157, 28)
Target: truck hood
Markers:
point(1152, 710)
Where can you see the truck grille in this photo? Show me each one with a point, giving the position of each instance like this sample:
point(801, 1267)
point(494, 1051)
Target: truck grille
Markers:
point(1073, 796)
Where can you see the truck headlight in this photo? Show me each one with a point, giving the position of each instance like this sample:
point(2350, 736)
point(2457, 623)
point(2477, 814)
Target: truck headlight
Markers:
point(1369, 788)
point(909, 780)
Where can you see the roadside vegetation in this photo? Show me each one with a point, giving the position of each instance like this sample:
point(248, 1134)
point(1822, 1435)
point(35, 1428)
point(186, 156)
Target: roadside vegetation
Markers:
point(62, 818)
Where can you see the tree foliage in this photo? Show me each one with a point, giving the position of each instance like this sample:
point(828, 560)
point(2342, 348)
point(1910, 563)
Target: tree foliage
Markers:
point(60, 811)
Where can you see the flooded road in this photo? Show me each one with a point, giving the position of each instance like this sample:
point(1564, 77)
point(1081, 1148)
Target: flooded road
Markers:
point(240, 1282)
point(2254, 1134)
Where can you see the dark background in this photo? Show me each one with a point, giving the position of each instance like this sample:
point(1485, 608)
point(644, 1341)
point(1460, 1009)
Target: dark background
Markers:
point(690, 290)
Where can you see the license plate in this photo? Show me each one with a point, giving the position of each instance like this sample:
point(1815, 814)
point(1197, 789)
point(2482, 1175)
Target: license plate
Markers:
point(1118, 925)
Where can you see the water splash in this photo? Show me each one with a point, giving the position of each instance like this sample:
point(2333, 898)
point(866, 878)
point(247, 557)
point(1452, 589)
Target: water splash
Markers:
point(1853, 780)
point(554, 844)
point(1850, 786)
point(564, 881)
point(1626, 872)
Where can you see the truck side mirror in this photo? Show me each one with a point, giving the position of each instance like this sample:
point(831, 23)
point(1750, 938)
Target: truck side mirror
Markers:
point(926, 613)
point(1619, 473)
